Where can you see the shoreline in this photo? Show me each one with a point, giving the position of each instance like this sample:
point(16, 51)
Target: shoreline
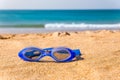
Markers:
point(13, 30)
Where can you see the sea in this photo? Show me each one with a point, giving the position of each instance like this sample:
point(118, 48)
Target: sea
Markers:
point(60, 19)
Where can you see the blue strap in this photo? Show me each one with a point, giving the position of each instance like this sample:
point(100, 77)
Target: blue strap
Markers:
point(48, 49)
point(77, 53)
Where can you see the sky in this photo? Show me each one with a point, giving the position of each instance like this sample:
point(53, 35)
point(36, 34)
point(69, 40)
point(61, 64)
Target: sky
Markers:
point(59, 4)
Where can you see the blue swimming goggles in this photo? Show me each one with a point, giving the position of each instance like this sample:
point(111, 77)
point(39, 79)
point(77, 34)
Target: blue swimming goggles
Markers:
point(60, 54)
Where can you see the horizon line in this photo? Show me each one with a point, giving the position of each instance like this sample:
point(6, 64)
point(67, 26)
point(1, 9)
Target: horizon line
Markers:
point(59, 9)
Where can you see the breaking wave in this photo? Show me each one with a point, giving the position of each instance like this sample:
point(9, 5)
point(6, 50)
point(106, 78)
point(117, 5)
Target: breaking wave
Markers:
point(82, 26)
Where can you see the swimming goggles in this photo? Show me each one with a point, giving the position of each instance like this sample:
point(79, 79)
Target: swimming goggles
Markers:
point(59, 54)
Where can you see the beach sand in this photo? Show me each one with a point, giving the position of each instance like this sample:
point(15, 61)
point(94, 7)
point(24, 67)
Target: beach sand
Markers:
point(100, 52)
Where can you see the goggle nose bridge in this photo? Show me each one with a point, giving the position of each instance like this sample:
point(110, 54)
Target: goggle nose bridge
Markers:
point(47, 53)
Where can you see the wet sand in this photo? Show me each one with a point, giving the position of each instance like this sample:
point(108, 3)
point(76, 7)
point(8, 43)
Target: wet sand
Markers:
point(100, 52)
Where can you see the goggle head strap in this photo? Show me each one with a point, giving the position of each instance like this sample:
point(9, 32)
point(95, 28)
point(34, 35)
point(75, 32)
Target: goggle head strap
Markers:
point(77, 54)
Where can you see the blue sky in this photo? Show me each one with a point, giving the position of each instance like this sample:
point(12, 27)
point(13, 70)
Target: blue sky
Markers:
point(59, 4)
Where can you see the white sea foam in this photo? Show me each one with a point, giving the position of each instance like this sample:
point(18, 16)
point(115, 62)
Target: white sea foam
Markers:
point(82, 26)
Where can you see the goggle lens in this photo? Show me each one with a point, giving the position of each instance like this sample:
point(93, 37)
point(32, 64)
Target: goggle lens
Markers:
point(61, 54)
point(32, 54)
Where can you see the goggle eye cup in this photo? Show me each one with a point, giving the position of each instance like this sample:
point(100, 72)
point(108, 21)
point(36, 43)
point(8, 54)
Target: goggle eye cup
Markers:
point(32, 54)
point(61, 54)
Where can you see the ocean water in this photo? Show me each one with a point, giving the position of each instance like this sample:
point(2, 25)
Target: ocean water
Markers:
point(60, 18)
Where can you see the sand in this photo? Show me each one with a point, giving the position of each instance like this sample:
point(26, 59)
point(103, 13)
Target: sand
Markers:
point(100, 52)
